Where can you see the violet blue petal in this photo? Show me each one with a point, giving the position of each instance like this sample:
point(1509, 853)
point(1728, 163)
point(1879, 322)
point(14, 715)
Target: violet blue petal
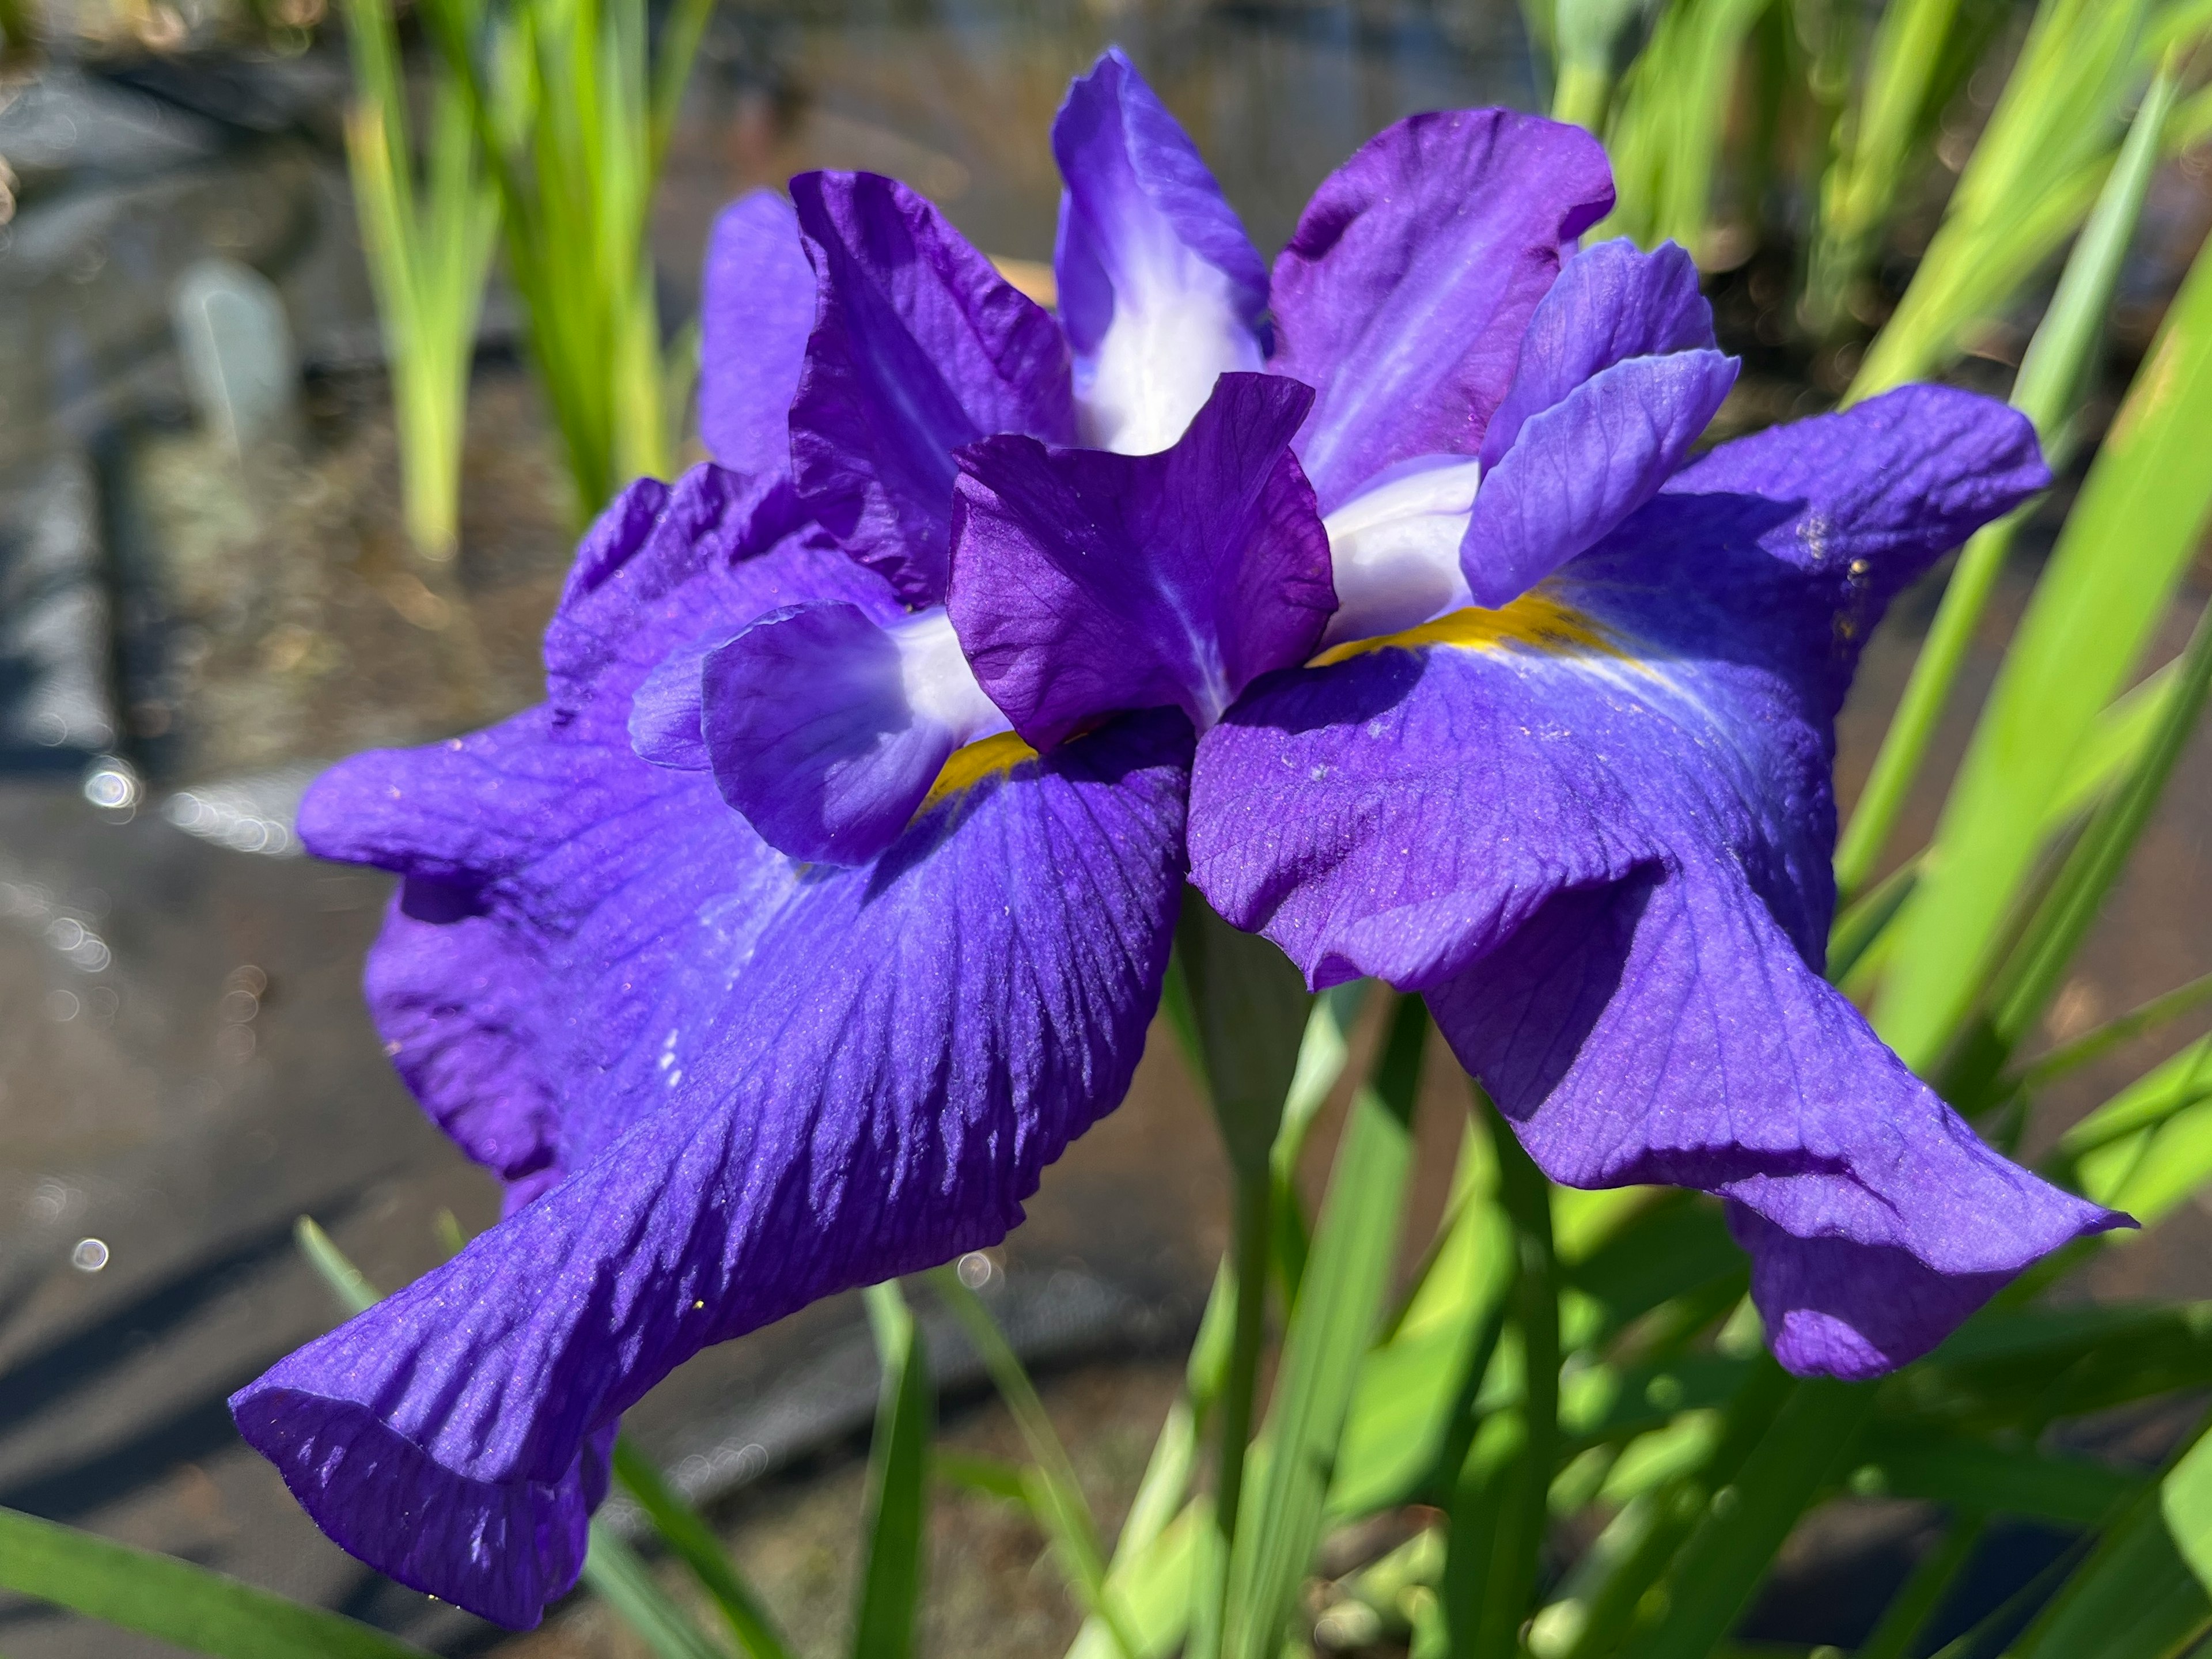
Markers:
point(1160, 289)
point(1583, 464)
point(543, 910)
point(857, 1073)
point(666, 716)
point(1597, 830)
point(1411, 277)
point(919, 348)
point(1665, 1030)
point(1611, 303)
point(756, 310)
point(813, 737)
point(1085, 583)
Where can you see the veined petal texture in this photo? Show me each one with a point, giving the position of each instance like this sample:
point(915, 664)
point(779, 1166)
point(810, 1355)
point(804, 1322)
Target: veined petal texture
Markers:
point(1160, 289)
point(1595, 828)
point(1403, 296)
point(1085, 583)
point(720, 1083)
point(919, 348)
point(756, 310)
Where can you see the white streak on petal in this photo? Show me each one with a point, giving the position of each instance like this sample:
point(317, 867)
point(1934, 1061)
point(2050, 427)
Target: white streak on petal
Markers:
point(1393, 548)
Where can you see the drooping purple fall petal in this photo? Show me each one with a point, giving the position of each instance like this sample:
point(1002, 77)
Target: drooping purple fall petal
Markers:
point(920, 348)
point(1160, 289)
point(1084, 583)
point(1641, 752)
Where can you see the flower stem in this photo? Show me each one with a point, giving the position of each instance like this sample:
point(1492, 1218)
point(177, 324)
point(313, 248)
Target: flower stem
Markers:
point(1254, 1227)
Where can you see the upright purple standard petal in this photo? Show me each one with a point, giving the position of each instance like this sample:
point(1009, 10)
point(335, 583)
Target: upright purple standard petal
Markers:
point(756, 310)
point(855, 1074)
point(1404, 295)
point(1595, 828)
point(919, 348)
point(1160, 289)
point(1611, 303)
point(1580, 467)
point(1084, 582)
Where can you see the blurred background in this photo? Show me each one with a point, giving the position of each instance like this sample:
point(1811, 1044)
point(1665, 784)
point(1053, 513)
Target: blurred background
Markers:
point(223, 564)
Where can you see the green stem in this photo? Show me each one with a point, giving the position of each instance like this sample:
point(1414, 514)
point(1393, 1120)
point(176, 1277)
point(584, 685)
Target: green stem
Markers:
point(1584, 91)
point(1254, 1204)
point(1517, 1541)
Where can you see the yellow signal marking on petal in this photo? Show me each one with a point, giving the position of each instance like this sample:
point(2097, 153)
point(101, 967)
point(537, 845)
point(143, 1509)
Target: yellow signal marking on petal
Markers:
point(1536, 620)
point(968, 766)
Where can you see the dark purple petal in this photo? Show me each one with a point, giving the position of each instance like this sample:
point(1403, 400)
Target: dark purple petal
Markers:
point(812, 736)
point(852, 1074)
point(1085, 583)
point(458, 1000)
point(1415, 269)
point(1160, 289)
point(662, 563)
point(1666, 1030)
point(549, 870)
point(919, 348)
point(1595, 826)
point(1611, 303)
point(1585, 463)
point(756, 310)
point(666, 716)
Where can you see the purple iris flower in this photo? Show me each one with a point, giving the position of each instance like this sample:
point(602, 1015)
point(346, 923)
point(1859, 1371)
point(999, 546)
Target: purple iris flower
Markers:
point(828, 895)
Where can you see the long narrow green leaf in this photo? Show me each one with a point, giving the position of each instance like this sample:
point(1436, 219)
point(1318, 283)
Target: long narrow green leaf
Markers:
point(1339, 1304)
point(619, 1576)
point(1747, 1521)
point(2046, 391)
point(1056, 1495)
point(2109, 581)
point(1906, 1616)
point(898, 1482)
point(689, 1535)
point(2094, 1045)
point(161, 1597)
point(1499, 1514)
point(2142, 1595)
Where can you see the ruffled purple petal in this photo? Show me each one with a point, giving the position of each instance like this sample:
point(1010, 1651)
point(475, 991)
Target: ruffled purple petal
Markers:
point(1160, 289)
point(543, 902)
point(1611, 303)
point(1595, 829)
point(1581, 465)
point(920, 347)
point(854, 1074)
point(1665, 1030)
point(756, 310)
point(1413, 275)
point(812, 736)
point(1085, 583)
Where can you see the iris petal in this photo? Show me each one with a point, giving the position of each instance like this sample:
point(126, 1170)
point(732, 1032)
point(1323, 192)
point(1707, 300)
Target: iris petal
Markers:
point(1084, 583)
point(1666, 1030)
point(919, 348)
point(756, 310)
point(818, 735)
point(1611, 303)
point(1581, 466)
point(1160, 289)
point(867, 1077)
point(1595, 827)
point(1411, 277)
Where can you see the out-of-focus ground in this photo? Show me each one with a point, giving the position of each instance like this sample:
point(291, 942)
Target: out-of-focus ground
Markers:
point(185, 1065)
